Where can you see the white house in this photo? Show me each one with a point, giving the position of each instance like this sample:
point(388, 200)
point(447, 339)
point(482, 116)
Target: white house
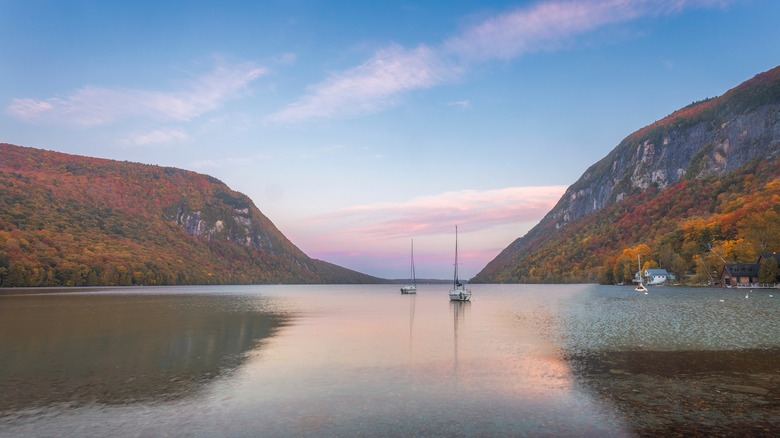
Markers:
point(656, 276)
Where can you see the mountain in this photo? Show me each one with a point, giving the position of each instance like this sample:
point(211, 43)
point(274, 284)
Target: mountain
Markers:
point(688, 192)
point(68, 220)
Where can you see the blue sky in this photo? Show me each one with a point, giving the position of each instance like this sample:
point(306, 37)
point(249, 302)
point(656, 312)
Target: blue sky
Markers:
point(356, 126)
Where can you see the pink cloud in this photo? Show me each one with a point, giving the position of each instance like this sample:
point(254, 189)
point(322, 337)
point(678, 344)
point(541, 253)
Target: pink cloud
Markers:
point(374, 238)
point(439, 213)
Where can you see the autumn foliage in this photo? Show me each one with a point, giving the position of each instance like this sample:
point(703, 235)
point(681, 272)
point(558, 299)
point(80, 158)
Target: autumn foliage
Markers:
point(68, 220)
point(691, 229)
point(689, 193)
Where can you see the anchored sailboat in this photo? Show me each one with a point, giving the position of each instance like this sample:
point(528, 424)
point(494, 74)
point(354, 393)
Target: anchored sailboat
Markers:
point(640, 287)
point(411, 288)
point(458, 292)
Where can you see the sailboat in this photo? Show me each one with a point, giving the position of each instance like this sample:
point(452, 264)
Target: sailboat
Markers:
point(640, 287)
point(411, 288)
point(458, 292)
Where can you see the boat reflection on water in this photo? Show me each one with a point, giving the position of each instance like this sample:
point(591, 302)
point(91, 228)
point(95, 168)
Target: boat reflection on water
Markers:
point(459, 310)
point(282, 361)
point(412, 304)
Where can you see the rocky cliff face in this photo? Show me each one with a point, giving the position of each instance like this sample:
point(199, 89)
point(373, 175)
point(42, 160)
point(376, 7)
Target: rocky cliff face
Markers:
point(708, 138)
point(234, 225)
point(235, 219)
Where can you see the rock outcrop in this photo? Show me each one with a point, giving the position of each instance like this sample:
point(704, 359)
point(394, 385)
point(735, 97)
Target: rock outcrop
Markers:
point(704, 139)
point(711, 138)
point(67, 220)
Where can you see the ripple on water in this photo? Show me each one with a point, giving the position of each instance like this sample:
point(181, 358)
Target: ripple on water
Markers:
point(670, 318)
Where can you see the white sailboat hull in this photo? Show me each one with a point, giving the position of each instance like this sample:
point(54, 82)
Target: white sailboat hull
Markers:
point(409, 290)
point(460, 294)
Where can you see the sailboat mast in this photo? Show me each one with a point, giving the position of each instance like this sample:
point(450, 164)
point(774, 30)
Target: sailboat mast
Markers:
point(413, 278)
point(455, 281)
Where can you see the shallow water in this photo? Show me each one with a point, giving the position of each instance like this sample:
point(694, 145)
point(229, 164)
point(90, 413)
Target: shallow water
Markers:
point(343, 360)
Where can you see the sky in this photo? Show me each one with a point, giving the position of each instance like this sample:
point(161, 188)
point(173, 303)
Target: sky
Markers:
point(358, 127)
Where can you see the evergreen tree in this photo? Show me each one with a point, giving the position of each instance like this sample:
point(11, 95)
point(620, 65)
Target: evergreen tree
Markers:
point(768, 270)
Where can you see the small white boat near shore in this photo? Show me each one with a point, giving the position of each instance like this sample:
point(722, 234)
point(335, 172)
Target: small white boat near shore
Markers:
point(641, 286)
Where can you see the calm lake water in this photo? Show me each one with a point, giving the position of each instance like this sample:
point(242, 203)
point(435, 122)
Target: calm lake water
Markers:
point(343, 360)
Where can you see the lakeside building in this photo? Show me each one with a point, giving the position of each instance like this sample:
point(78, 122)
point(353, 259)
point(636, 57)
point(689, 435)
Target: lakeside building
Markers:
point(653, 277)
point(656, 277)
point(745, 275)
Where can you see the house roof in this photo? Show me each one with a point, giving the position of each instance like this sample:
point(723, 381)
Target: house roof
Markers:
point(656, 272)
point(741, 269)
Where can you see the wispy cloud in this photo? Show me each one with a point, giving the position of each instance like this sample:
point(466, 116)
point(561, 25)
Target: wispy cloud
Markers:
point(287, 58)
point(156, 137)
point(227, 162)
point(538, 27)
point(438, 214)
point(371, 86)
point(93, 105)
point(546, 25)
point(461, 104)
point(377, 234)
point(321, 151)
point(377, 83)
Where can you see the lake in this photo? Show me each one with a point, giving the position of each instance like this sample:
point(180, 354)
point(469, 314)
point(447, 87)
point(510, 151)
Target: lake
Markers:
point(519, 360)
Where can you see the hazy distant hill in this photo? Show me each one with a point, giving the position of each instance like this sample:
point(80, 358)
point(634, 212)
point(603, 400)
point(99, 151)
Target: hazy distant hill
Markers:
point(687, 192)
point(71, 220)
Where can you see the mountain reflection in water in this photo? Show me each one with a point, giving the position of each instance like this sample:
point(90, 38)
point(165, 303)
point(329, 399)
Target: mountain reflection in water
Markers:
point(109, 348)
point(341, 360)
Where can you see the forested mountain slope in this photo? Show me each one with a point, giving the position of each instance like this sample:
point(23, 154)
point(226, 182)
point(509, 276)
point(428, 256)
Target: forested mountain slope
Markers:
point(68, 220)
point(695, 189)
